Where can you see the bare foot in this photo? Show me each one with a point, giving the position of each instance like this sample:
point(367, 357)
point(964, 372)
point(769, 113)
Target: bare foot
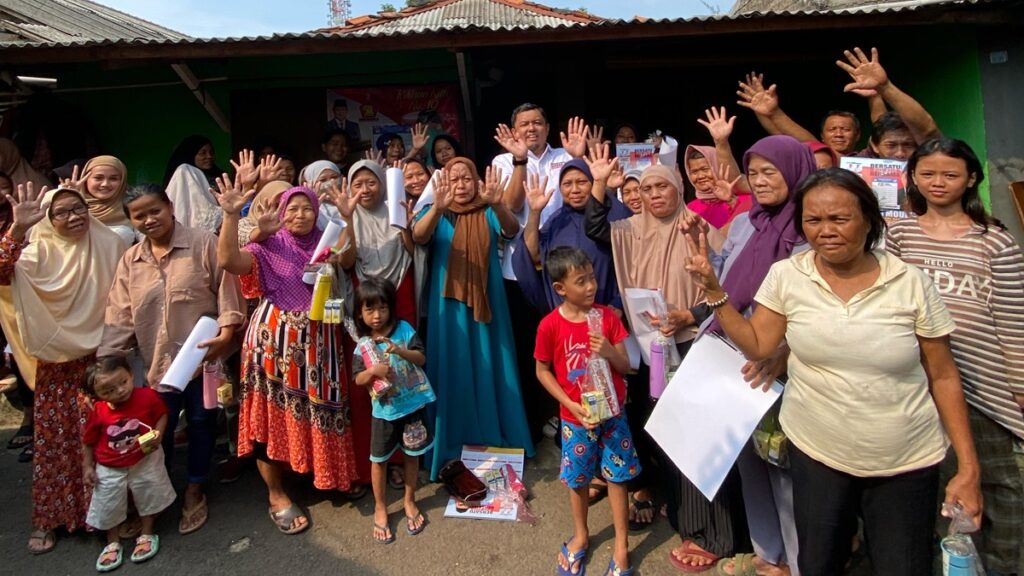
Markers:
point(574, 547)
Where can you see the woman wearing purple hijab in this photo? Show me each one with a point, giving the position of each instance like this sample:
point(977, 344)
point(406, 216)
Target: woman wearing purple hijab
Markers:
point(294, 391)
point(774, 166)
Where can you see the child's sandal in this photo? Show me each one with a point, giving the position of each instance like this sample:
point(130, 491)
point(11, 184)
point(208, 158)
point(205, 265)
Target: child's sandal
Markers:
point(152, 541)
point(113, 554)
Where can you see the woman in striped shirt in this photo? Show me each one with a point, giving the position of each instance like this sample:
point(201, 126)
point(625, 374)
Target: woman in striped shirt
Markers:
point(979, 271)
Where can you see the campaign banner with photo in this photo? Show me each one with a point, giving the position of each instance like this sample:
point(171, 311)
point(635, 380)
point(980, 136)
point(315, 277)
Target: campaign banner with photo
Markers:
point(635, 156)
point(887, 178)
point(369, 113)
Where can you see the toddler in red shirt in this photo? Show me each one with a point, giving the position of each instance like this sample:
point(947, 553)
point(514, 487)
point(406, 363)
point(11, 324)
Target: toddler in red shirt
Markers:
point(122, 452)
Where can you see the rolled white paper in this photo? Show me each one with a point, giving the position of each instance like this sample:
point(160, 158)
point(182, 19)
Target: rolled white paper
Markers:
point(328, 239)
point(190, 356)
point(396, 196)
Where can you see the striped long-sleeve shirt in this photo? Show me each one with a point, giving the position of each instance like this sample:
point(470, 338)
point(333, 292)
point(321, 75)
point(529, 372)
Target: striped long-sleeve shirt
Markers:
point(981, 279)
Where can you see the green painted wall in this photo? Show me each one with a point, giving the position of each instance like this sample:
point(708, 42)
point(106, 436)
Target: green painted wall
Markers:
point(142, 125)
point(939, 67)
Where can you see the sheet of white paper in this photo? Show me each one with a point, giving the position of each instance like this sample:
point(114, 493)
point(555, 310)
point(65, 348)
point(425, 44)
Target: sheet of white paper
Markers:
point(668, 152)
point(329, 238)
point(708, 413)
point(190, 356)
point(639, 303)
point(396, 197)
point(426, 198)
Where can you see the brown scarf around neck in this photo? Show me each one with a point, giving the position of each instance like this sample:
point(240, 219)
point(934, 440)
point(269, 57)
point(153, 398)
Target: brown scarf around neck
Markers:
point(469, 255)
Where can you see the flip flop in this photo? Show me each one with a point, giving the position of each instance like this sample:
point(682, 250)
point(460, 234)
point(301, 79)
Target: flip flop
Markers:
point(154, 546)
point(637, 505)
point(396, 477)
point(283, 519)
point(692, 549)
point(108, 549)
point(410, 520)
point(44, 536)
point(614, 570)
point(742, 565)
point(22, 437)
point(27, 454)
point(357, 493)
point(386, 529)
point(193, 518)
point(570, 559)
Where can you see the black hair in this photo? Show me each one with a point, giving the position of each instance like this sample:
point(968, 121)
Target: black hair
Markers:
point(887, 122)
point(185, 153)
point(526, 107)
point(844, 114)
point(341, 103)
point(328, 134)
point(694, 155)
point(563, 260)
point(140, 190)
point(971, 200)
point(374, 290)
point(450, 140)
point(852, 183)
point(636, 132)
point(103, 366)
point(384, 140)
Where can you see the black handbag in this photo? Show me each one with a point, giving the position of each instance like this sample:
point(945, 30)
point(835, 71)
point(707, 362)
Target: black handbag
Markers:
point(462, 483)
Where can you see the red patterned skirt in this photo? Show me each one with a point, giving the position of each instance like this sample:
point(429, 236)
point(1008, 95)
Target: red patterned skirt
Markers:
point(59, 497)
point(294, 395)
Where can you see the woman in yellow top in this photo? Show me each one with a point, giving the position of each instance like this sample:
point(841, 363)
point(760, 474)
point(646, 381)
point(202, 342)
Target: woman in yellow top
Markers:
point(872, 386)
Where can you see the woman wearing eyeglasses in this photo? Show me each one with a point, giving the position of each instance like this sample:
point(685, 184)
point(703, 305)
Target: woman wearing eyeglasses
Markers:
point(56, 266)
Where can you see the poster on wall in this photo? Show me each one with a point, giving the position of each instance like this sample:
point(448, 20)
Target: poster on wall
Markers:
point(635, 156)
point(369, 115)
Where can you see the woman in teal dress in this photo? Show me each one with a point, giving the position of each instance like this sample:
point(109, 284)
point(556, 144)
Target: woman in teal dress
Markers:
point(470, 351)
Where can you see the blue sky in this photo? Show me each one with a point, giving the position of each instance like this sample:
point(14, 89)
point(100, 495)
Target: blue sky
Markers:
point(206, 18)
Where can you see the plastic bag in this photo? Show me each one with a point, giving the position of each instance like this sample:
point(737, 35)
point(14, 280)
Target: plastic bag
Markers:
point(959, 556)
point(597, 391)
point(512, 491)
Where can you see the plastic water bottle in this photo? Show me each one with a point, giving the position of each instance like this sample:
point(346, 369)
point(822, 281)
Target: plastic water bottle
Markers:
point(957, 556)
point(599, 376)
point(658, 376)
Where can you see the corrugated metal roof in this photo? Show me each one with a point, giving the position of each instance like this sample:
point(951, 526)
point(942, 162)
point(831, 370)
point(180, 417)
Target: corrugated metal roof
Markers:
point(455, 14)
point(741, 7)
point(638, 25)
point(69, 21)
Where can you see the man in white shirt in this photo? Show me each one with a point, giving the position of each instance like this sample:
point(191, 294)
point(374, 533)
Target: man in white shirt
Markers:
point(528, 152)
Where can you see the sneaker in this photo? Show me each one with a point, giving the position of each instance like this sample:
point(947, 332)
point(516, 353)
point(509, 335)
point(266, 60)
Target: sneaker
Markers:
point(551, 427)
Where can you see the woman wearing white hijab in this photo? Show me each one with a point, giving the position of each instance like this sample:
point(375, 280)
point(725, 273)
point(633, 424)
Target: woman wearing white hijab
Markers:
point(318, 176)
point(52, 290)
point(194, 204)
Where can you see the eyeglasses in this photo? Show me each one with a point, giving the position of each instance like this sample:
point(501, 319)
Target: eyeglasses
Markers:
point(63, 215)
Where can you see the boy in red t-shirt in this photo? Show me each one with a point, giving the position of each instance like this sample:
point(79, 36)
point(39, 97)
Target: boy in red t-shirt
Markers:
point(563, 351)
point(122, 453)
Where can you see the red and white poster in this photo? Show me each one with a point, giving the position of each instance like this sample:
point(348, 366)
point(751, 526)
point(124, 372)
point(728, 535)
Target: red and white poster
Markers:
point(371, 112)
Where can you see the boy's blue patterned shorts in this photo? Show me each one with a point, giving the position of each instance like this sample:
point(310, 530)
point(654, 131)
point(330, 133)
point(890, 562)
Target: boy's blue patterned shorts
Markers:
point(610, 445)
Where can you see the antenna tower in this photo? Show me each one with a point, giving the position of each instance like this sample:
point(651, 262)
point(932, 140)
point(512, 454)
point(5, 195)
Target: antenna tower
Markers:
point(339, 12)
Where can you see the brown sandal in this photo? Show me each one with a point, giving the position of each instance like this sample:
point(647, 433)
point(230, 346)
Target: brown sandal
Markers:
point(194, 518)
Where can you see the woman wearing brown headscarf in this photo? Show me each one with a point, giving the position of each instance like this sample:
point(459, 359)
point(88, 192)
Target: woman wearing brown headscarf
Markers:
point(469, 331)
point(104, 181)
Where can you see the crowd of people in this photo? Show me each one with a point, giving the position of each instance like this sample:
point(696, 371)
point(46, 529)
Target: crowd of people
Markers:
point(480, 318)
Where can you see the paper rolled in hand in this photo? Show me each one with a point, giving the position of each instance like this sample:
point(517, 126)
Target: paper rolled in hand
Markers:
point(190, 356)
point(327, 240)
point(396, 196)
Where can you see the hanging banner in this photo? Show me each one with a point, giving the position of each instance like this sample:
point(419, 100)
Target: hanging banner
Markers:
point(369, 113)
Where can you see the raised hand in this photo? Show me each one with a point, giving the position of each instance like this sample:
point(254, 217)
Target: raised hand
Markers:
point(698, 264)
point(337, 192)
point(442, 190)
point(73, 183)
point(724, 186)
point(269, 221)
point(493, 187)
point(601, 166)
point(270, 168)
point(374, 155)
point(419, 136)
point(617, 179)
point(410, 216)
point(507, 139)
point(595, 136)
point(245, 168)
point(693, 225)
point(537, 193)
point(229, 194)
point(867, 73)
point(754, 96)
point(718, 123)
point(27, 210)
point(575, 141)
